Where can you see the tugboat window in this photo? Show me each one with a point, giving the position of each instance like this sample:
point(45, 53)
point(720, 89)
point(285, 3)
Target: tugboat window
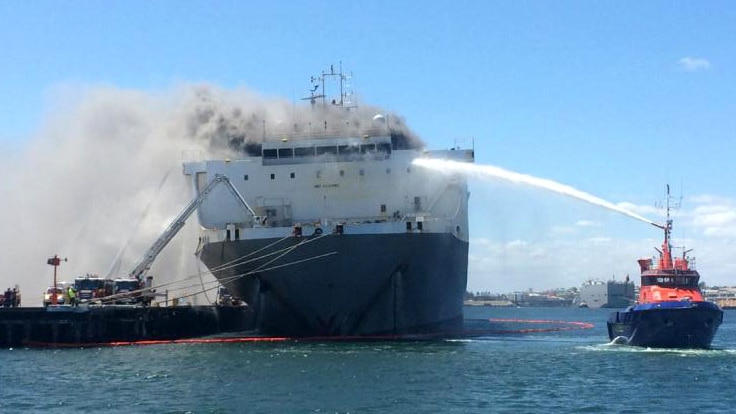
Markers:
point(273, 176)
point(291, 175)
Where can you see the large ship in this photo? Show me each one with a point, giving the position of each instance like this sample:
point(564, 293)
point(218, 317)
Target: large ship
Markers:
point(339, 233)
point(608, 294)
point(671, 311)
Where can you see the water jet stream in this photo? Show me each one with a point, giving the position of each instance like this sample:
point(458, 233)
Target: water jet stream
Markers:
point(489, 171)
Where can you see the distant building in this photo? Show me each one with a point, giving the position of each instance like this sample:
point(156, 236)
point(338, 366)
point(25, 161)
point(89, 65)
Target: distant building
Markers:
point(609, 294)
point(536, 300)
point(725, 297)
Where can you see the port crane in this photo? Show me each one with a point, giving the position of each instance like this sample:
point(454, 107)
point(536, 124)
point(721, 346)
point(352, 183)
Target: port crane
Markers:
point(139, 271)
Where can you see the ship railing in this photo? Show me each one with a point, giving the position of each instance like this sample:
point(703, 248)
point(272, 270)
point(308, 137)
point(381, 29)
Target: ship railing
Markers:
point(357, 220)
point(346, 220)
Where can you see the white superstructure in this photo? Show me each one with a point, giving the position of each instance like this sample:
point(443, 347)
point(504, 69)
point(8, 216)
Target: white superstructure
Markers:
point(360, 183)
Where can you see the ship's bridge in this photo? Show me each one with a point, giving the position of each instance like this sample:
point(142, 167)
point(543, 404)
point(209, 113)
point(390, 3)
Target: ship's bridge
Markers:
point(344, 149)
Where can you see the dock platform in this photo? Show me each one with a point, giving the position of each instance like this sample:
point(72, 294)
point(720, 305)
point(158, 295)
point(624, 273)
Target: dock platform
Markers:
point(69, 326)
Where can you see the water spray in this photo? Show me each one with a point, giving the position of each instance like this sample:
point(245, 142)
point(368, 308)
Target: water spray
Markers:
point(489, 171)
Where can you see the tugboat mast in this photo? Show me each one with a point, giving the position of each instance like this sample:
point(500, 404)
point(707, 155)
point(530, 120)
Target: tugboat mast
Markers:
point(665, 261)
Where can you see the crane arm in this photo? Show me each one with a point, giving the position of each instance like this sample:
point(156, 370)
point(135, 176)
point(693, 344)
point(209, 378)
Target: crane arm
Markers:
point(145, 263)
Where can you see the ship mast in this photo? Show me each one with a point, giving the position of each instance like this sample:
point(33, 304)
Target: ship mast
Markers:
point(665, 256)
point(318, 88)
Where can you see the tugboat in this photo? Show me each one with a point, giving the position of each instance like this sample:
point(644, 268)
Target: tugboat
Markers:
point(671, 311)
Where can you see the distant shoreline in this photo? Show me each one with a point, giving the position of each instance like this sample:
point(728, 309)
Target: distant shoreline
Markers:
point(493, 303)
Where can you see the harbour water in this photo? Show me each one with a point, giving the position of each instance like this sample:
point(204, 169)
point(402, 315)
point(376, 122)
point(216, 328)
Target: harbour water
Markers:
point(572, 371)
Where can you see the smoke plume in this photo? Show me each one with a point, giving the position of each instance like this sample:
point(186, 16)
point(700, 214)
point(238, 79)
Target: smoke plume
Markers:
point(103, 171)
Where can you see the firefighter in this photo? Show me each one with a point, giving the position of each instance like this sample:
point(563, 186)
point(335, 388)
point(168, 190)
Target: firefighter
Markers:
point(72, 296)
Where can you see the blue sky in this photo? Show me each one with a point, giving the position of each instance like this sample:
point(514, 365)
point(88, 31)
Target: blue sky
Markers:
point(616, 99)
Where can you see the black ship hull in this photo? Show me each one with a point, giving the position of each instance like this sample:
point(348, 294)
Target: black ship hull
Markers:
point(347, 284)
point(680, 324)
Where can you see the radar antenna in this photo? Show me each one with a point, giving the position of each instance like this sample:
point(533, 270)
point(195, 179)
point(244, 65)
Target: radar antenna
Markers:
point(332, 79)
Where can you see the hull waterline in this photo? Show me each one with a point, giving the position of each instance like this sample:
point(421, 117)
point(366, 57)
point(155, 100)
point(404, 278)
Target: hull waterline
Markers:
point(666, 325)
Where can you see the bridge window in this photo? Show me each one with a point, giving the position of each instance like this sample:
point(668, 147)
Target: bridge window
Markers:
point(286, 152)
point(675, 280)
point(347, 149)
point(304, 152)
point(331, 150)
point(365, 148)
point(270, 153)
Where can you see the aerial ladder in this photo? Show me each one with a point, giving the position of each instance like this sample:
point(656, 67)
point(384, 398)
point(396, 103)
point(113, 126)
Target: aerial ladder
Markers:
point(140, 270)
